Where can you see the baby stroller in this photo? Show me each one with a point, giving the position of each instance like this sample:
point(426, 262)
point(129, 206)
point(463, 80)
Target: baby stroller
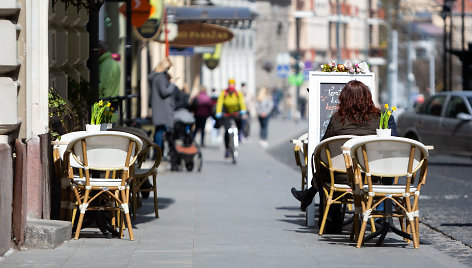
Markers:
point(182, 147)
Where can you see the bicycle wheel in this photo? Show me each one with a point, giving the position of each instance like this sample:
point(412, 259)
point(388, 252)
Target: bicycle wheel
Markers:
point(234, 144)
point(231, 146)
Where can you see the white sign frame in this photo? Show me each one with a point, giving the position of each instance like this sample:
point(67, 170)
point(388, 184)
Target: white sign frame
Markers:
point(316, 78)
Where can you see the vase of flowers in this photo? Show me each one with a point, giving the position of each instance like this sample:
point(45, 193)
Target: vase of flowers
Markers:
point(100, 117)
point(383, 130)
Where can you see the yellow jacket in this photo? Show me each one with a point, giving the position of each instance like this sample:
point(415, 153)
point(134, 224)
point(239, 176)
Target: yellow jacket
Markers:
point(231, 102)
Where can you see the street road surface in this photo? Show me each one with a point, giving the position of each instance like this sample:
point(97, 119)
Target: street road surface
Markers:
point(445, 204)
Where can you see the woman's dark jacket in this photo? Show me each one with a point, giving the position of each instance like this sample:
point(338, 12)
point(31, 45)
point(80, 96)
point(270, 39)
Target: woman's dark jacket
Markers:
point(336, 128)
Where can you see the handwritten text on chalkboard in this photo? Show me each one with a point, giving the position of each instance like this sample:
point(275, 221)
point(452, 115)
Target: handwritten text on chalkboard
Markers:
point(329, 94)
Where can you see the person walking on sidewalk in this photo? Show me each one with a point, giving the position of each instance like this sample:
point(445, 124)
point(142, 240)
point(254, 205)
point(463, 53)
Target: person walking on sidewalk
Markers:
point(264, 106)
point(201, 106)
point(162, 99)
point(356, 115)
point(231, 102)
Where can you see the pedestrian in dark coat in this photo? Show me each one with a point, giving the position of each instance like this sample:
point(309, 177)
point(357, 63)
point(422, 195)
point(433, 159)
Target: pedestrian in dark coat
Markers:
point(162, 101)
point(202, 106)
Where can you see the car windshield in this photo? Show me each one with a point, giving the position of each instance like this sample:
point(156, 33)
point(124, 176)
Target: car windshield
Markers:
point(470, 100)
point(434, 105)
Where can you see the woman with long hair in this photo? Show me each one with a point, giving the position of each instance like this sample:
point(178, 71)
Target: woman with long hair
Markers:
point(356, 115)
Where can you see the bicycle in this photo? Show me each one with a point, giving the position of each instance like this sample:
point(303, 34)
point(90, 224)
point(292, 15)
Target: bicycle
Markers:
point(233, 135)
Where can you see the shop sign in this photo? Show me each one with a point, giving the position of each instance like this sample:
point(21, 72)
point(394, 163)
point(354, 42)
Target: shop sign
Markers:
point(200, 34)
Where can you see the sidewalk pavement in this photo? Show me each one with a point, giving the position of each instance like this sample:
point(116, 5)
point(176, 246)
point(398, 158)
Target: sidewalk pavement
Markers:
point(229, 215)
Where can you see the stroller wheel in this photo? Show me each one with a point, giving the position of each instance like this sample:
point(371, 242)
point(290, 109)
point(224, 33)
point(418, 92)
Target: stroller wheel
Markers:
point(189, 166)
point(199, 161)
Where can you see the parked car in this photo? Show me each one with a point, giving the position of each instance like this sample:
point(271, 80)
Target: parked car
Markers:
point(444, 120)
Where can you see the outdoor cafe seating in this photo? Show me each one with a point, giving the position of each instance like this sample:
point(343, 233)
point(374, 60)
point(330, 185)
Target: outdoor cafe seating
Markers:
point(402, 163)
point(98, 167)
point(142, 173)
point(300, 150)
point(328, 157)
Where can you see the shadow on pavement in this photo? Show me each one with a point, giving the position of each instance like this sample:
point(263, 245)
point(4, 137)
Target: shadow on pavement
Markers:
point(457, 224)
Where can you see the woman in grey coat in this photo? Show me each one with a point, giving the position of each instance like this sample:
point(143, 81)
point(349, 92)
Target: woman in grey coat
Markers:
point(162, 101)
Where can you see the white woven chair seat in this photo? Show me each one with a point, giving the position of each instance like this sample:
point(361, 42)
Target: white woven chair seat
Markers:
point(99, 182)
point(394, 189)
point(342, 186)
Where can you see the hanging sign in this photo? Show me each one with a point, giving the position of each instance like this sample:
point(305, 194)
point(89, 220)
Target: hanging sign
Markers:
point(151, 28)
point(140, 11)
point(200, 34)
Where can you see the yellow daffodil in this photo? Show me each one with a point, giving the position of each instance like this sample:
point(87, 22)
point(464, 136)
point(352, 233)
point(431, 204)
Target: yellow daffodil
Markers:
point(385, 116)
point(101, 113)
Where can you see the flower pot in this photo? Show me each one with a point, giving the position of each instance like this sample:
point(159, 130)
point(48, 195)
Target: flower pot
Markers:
point(382, 133)
point(95, 128)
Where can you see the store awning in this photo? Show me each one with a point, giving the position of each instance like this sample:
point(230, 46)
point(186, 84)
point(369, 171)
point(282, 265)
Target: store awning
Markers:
point(209, 14)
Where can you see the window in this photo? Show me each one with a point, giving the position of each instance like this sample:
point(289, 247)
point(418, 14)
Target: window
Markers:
point(456, 105)
point(434, 105)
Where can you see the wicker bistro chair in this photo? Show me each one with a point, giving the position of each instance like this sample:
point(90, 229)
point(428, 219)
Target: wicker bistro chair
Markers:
point(67, 207)
point(328, 155)
point(141, 174)
point(106, 152)
point(300, 150)
point(395, 157)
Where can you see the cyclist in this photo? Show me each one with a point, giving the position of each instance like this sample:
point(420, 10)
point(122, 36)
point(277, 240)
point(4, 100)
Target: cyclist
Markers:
point(231, 104)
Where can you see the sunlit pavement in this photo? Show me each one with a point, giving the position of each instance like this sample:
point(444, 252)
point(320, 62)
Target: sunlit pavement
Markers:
point(229, 215)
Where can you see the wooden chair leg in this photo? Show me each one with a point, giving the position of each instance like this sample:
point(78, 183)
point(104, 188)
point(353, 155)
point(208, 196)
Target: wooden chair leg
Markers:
point(82, 214)
point(367, 208)
point(402, 226)
point(134, 193)
point(73, 214)
point(125, 207)
point(122, 222)
point(412, 224)
point(372, 225)
point(361, 234)
point(154, 185)
point(354, 227)
point(325, 215)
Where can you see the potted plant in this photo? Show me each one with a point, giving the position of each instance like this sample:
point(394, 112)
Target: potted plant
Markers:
point(383, 130)
point(100, 117)
point(63, 117)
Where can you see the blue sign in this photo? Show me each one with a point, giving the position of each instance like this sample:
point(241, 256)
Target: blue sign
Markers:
point(283, 70)
point(186, 51)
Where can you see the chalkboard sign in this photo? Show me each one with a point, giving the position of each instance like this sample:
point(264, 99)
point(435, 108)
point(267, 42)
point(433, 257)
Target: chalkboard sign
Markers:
point(323, 100)
point(329, 94)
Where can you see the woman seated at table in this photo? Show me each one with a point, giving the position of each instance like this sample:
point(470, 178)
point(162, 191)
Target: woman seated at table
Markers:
point(356, 115)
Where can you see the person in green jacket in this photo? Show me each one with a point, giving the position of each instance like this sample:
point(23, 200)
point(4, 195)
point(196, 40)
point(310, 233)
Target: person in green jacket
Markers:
point(109, 74)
